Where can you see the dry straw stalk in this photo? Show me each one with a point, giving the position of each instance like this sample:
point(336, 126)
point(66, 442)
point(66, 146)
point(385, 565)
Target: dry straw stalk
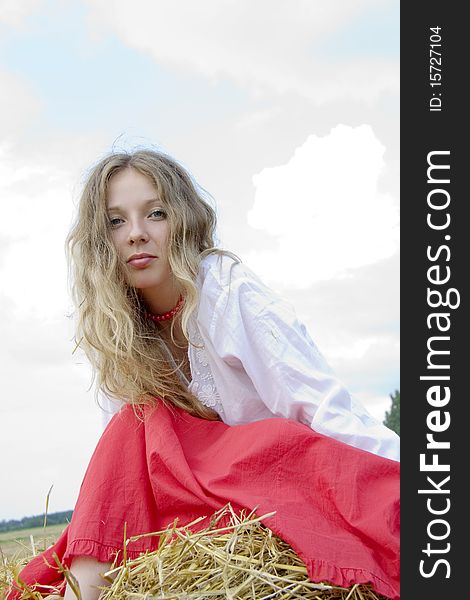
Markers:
point(242, 560)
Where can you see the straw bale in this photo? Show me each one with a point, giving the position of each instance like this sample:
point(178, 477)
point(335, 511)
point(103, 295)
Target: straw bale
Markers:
point(235, 558)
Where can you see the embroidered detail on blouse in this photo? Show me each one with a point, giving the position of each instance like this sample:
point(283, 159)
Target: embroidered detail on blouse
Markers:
point(202, 384)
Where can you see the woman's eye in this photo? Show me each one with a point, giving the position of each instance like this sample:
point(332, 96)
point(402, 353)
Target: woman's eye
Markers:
point(115, 221)
point(158, 213)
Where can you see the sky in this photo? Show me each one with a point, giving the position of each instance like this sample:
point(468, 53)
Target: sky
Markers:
point(287, 113)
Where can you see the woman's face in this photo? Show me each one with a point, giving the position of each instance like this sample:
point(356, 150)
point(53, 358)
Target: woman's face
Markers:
point(140, 230)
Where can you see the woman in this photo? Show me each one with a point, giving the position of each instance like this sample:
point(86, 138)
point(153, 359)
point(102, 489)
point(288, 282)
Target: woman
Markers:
point(226, 397)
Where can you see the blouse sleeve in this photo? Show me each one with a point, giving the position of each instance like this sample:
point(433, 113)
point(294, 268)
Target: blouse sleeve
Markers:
point(255, 329)
point(108, 408)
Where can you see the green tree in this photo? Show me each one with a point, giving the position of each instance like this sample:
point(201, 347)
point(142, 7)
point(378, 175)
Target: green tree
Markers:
point(392, 416)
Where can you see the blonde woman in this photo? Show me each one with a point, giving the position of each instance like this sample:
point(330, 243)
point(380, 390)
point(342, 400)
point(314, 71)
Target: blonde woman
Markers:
point(220, 393)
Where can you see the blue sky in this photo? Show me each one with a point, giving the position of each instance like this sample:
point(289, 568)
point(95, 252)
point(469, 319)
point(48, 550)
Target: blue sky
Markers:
point(374, 31)
point(287, 113)
point(83, 84)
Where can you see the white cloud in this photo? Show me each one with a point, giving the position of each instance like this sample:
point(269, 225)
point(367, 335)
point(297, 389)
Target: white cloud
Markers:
point(50, 423)
point(48, 417)
point(36, 214)
point(354, 321)
point(14, 12)
point(376, 405)
point(47, 442)
point(18, 104)
point(257, 117)
point(325, 209)
point(260, 48)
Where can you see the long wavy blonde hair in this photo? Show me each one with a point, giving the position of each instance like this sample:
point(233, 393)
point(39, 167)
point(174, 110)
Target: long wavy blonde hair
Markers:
point(124, 347)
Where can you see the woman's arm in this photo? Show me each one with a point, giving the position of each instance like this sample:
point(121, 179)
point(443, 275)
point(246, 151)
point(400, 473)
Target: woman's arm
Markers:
point(88, 573)
point(256, 328)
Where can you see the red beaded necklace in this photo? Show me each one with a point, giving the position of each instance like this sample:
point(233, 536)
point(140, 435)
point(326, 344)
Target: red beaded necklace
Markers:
point(167, 315)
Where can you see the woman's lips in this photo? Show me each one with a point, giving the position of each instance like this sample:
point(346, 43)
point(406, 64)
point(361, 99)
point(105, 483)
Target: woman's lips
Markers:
point(140, 262)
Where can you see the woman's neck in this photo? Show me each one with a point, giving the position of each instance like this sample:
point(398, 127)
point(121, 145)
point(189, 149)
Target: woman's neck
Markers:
point(160, 301)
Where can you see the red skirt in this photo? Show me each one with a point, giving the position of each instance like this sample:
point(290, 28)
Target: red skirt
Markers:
point(337, 506)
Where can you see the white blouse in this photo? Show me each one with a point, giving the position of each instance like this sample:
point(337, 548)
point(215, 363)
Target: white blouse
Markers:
point(251, 359)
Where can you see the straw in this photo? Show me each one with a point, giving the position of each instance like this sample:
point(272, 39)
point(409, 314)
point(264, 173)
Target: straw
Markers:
point(239, 561)
point(235, 558)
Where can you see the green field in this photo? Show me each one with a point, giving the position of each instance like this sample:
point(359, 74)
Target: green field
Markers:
point(18, 542)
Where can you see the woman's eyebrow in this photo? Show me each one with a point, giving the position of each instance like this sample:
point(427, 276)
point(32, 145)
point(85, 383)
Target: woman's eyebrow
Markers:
point(144, 204)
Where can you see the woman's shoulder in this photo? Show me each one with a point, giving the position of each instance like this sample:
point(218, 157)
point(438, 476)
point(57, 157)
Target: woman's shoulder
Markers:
point(220, 267)
point(224, 279)
point(227, 272)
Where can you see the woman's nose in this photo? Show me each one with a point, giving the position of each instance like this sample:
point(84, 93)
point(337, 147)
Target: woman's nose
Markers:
point(137, 233)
